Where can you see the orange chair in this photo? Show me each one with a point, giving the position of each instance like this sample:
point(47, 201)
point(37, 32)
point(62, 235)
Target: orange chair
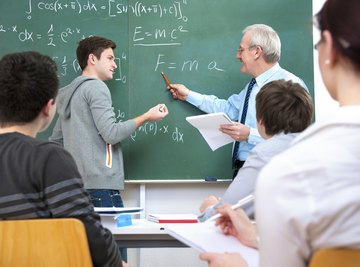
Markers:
point(44, 242)
point(336, 257)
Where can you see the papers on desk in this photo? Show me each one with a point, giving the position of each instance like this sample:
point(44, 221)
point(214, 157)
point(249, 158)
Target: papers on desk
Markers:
point(113, 211)
point(208, 125)
point(173, 218)
point(206, 237)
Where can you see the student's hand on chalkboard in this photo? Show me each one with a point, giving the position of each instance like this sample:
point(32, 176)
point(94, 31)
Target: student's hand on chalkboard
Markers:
point(179, 91)
point(237, 131)
point(158, 112)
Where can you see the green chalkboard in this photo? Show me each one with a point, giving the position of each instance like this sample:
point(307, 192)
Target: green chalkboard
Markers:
point(193, 41)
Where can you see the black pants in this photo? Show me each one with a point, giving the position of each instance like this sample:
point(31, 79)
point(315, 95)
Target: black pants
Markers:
point(237, 165)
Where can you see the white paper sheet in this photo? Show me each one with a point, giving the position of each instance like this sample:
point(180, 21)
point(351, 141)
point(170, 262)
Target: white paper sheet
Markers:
point(208, 125)
point(207, 237)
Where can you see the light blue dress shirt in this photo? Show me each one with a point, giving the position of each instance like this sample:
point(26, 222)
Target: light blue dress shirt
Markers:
point(234, 104)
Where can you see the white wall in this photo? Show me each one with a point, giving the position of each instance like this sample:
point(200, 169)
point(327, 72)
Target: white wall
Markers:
point(324, 104)
point(169, 198)
point(187, 197)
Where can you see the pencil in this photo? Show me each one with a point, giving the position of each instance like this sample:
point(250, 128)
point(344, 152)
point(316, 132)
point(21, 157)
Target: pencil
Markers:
point(167, 82)
point(241, 203)
point(165, 79)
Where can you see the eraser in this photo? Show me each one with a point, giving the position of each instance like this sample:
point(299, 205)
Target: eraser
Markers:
point(211, 178)
point(123, 220)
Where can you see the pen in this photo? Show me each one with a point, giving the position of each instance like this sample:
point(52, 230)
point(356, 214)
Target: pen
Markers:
point(167, 82)
point(240, 203)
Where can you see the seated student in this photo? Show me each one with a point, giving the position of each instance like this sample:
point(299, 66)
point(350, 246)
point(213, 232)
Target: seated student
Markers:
point(306, 202)
point(283, 110)
point(40, 179)
point(235, 223)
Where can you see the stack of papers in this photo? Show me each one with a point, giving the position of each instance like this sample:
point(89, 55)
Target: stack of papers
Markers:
point(173, 218)
point(113, 211)
point(206, 237)
point(208, 125)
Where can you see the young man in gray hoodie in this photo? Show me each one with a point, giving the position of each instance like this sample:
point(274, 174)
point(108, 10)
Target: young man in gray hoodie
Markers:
point(87, 127)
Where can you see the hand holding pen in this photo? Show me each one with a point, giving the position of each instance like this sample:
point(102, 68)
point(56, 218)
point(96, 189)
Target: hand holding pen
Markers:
point(237, 223)
point(178, 91)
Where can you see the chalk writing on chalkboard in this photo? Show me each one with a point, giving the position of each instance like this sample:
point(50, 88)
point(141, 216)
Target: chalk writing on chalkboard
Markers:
point(193, 42)
point(111, 8)
point(150, 129)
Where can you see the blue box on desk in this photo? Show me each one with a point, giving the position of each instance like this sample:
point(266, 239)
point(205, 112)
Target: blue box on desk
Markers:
point(123, 220)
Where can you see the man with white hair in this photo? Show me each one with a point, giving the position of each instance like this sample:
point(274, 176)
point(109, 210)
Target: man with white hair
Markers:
point(259, 53)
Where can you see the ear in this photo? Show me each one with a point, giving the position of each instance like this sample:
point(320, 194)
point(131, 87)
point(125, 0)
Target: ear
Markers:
point(46, 110)
point(328, 48)
point(91, 59)
point(258, 52)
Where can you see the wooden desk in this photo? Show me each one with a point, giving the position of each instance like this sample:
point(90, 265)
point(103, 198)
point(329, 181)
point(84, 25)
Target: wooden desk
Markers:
point(142, 234)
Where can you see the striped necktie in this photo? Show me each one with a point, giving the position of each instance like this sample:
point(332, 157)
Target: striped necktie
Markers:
point(243, 117)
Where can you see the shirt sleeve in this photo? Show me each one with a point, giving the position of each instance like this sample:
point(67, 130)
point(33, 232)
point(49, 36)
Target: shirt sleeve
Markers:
point(254, 137)
point(104, 116)
point(212, 104)
point(244, 182)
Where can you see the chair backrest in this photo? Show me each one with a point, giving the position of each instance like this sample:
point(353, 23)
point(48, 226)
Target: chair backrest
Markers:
point(336, 257)
point(44, 242)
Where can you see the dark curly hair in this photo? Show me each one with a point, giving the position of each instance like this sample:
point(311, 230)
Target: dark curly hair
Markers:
point(28, 80)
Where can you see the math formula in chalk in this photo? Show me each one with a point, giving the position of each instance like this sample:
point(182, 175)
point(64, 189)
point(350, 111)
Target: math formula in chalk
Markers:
point(156, 129)
point(111, 8)
point(149, 129)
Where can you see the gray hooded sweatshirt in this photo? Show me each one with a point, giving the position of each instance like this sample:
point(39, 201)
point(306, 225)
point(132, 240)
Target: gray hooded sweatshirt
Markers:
point(88, 129)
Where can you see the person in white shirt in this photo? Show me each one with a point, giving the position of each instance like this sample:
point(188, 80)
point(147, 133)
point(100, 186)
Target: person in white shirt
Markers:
point(283, 110)
point(310, 201)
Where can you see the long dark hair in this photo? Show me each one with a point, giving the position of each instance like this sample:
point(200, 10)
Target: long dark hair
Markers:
point(342, 20)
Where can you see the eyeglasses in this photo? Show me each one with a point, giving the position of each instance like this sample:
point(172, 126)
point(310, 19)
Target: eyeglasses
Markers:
point(241, 49)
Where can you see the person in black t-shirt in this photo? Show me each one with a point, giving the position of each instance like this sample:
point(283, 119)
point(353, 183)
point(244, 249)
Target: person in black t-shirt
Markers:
point(40, 179)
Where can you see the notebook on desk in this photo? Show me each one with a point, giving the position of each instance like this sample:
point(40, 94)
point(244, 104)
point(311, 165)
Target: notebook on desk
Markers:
point(206, 237)
point(112, 211)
